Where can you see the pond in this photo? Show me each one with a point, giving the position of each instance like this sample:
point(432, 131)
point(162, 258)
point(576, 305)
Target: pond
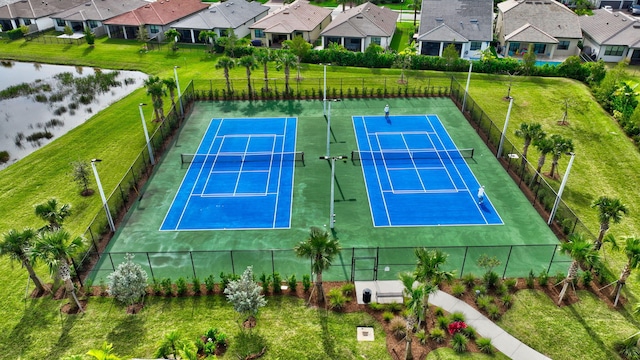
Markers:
point(39, 103)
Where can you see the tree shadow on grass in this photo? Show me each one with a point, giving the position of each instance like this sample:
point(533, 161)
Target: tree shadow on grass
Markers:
point(128, 333)
point(88, 50)
point(247, 342)
point(592, 333)
point(36, 315)
point(328, 342)
point(64, 341)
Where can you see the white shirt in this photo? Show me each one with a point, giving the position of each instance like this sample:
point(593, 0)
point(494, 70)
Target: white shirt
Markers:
point(386, 109)
point(481, 192)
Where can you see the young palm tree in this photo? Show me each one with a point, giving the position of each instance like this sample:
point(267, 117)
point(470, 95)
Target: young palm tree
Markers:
point(321, 248)
point(415, 307)
point(632, 251)
point(16, 244)
point(170, 84)
point(55, 249)
point(263, 56)
point(428, 267)
point(609, 210)
point(155, 89)
point(226, 63)
point(561, 146)
point(416, 5)
point(249, 63)
point(545, 147)
point(580, 251)
point(172, 35)
point(285, 60)
point(208, 37)
point(53, 215)
point(529, 132)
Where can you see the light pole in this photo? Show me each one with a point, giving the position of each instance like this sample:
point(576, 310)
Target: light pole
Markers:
point(329, 127)
point(146, 134)
point(175, 74)
point(324, 96)
point(564, 182)
point(466, 89)
point(504, 130)
point(332, 215)
point(112, 226)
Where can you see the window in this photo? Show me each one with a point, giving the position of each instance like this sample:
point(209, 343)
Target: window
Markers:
point(476, 45)
point(259, 33)
point(223, 32)
point(154, 29)
point(93, 24)
point(563, 45)
point(614, 51)
point(60, 22)
point(26, 21)
point(376, 40)
point(539, 48)
point(513, 47)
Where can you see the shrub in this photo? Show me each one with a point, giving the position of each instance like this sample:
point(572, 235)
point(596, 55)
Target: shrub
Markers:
point(167, 287)
point(276, 283)
point(422, 336)
point(469, 332)
point(438, 311)
point(469, 280)
point(493, 311)
point(507, 300)
point(458, 290)
point(209, 283)
point(459, 343)
point(394, 307)
point(437, 335)
point(483, 301)
point(511, 284)
point(484, 345)
point(181, 286)
point(479, 290)
point(558, 278)
point(265, 281)
point(543, 278)
point(388, 316)
point(456, 327)
point(348, 289)
point(501, 289)
point(491, 280)
point(586, 278)
point(628, 348)
point(88, 286)
point(377, 306)
point(336, 299)
point(306, 282)
point(195, 284)
point(398, 328)
point(156, 287)
point(293, 283)
point(443, 322)
point(457, 316)
point(530, 280)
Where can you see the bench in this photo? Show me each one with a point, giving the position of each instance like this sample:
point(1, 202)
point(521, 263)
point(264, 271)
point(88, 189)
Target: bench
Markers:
point(389, 295)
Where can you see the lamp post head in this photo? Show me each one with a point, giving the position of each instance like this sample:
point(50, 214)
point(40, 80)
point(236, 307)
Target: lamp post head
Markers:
point(176, 67)
point(96, 160)
point(142, 104)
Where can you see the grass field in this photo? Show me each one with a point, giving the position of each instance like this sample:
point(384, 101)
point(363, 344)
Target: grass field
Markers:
point(606, 163)
point(403, 36)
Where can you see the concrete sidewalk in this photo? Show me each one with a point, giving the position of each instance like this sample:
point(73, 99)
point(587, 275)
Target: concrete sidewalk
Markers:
point(501, 340)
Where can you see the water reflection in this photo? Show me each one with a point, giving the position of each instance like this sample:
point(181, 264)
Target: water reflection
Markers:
point(40, 103)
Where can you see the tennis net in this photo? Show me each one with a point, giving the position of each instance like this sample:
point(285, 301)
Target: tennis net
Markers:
point(412, 154)
point(241, 157)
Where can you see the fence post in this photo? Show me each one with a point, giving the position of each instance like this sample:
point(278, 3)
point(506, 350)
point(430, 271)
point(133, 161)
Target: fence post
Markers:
point(353, 264)
point(555, 249)
point(150, 267)
point(504, 274)
point(77, 275)
point(113, 267)
point(375, 266)
point(464, 260)
point(193, 267)
point(233, 267)
point(124, 199)
point(273, 267)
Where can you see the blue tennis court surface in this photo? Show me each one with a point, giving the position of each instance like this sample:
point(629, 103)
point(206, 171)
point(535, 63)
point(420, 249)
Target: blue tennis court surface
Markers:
point(241, 177)
point(416, 176)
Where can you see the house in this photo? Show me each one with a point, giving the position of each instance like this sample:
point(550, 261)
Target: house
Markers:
point(93, 13)
point(36, 14)
point(156, 17)
point(360, 26)
point(552, 28)
point(237, 15)
point(296, 19)
point(467, 24)
point(611, 36)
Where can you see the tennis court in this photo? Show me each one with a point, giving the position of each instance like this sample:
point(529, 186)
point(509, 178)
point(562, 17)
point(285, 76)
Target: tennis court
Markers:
point(241, 177)
point(416, 176)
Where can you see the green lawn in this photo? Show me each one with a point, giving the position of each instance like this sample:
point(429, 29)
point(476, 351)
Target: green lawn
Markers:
point(606, 164)
point(403, 36)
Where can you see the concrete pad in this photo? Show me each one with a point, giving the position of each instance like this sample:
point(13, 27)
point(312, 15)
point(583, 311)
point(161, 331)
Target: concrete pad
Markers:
point(365, 333)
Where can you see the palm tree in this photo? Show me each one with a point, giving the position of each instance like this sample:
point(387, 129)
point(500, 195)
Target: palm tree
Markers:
point(415, 305)
point(416, 5)
point(16, 245)
point(56, 248)
point(50, 213)
point(321, 248)
point(208, 37)
point(561, 145)
point(226, 63)
point(155, 89)
point(263, 56)
point(580, 251)
point(249, 63)
point(544, 146)
point(285, 60)
point(170, 84)
point(529, 132)
point(173, 35)
point(632, 251)
point(609, 210)
point(428, 267)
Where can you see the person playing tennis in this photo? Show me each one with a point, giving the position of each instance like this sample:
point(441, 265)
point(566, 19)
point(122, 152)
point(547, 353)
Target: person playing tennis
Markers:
point(386, 111)
point(481, 195)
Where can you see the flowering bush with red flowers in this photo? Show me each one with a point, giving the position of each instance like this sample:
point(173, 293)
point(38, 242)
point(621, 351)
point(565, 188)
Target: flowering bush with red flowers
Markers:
point(456, 326)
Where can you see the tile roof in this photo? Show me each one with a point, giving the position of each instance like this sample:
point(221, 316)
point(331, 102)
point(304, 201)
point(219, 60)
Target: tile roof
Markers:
point(608, 28)
point(362, 21)
point(549, 16)
point(99, 9)
point(299, 15)
point(229, 14)
point(35, 9)
point(530, 33)
point(161, 12)
point(442, 33)
point(472, 19)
